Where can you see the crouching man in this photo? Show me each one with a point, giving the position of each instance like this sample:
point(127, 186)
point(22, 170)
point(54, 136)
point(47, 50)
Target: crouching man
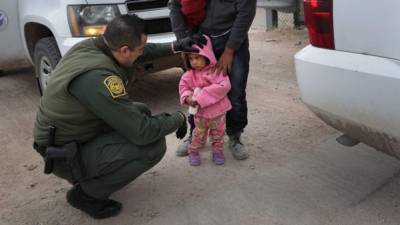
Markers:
point(88, 130)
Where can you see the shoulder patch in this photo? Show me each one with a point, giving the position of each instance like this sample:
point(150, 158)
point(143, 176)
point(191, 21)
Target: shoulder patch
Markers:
point(115, 86)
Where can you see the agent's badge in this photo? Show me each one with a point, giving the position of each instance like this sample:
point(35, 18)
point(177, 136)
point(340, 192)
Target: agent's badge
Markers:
point(115, 86)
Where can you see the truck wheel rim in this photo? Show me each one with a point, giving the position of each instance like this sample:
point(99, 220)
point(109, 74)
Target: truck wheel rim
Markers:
point(45, 71)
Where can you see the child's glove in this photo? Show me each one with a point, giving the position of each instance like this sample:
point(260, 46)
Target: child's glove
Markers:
point(182, 130)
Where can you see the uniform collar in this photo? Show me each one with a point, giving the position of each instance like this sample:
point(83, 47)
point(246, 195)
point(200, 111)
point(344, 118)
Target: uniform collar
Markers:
point(100, 43)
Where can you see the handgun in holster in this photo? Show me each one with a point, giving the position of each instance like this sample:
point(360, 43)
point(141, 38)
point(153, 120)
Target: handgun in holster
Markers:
point(66, 156)
point(49, 163)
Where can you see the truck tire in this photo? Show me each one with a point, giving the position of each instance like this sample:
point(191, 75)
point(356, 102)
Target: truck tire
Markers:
point(46, 57)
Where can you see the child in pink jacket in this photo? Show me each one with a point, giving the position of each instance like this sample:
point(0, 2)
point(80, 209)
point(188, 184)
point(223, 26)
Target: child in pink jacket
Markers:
point(211, 101)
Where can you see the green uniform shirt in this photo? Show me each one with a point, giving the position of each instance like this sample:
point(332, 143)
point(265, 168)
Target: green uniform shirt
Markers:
point(86, 97)
point(132, 120)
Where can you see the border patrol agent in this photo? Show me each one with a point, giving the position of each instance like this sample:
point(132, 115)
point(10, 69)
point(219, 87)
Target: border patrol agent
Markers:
point(89, 131)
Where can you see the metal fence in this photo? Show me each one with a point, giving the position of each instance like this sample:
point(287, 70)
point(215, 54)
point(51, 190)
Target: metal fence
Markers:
point(283, 13)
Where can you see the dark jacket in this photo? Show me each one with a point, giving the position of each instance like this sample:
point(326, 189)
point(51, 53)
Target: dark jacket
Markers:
point(221, 16)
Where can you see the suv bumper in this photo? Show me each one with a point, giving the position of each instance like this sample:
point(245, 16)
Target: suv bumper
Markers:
point(354, 93)
point(67, 43)
point(153, 66)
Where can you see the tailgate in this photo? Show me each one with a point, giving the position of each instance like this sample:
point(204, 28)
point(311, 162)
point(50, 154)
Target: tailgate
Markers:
point(368, 27)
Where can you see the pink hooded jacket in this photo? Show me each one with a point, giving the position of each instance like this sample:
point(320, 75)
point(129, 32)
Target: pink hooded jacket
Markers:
point(212, 98)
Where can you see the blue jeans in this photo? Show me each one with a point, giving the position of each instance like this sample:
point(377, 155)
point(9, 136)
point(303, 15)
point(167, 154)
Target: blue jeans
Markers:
point(236, 118)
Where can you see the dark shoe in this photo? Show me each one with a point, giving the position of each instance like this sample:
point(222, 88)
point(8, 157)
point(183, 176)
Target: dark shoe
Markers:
point(183, 148)
point(238, 150)
point(96, 208)
point(194, 159)
point(218, 157)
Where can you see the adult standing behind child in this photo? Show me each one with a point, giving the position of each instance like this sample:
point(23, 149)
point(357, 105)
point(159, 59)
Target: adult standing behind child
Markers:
point(205, 89)
point(227, 23)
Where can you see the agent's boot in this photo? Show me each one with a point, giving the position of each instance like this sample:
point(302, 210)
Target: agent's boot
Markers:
point(96, 208)
point(183, 148)
point(238, 150)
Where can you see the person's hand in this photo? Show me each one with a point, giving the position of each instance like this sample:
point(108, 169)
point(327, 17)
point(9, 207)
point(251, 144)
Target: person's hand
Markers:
point(224, 64)
point(182, 130)
point(186, 44)
point(190, 101)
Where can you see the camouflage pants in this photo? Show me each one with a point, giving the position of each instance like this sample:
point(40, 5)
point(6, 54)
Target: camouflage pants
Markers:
point(214, 128)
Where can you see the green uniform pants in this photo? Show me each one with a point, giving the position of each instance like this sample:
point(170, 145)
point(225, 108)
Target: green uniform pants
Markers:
point(110, 162)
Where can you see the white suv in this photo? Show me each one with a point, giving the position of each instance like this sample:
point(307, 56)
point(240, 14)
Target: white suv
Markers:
point(47, 29)
point(350, 74)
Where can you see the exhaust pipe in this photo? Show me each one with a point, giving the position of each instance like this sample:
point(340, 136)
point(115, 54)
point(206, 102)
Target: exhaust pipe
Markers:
point(347, 141)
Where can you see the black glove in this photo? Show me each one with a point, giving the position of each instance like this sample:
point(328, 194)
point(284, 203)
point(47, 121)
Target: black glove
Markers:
point(185, 44)
point(182, 130)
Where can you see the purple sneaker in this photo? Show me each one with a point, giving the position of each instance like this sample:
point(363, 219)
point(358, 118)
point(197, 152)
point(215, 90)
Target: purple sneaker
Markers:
point(218, 157)
point(194, 159)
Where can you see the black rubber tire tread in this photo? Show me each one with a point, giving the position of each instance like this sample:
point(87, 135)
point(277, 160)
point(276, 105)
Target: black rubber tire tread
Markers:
point(45, 47)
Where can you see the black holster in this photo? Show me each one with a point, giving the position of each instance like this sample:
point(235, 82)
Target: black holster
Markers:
point(63, 161)
point(67, 159)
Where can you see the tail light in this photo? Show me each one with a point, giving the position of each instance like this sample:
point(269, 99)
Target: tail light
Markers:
point(319, 22)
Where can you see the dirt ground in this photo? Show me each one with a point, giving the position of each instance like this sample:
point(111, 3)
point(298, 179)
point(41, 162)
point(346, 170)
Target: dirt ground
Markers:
point(296, 174)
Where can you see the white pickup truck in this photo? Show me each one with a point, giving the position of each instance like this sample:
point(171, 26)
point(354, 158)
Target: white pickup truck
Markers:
point(350, 74)
point(41, 31)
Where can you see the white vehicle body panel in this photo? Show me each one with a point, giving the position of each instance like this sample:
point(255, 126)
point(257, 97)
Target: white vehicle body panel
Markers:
point(11, 44)
point(53, 15)
point(364, 88)
point(157, 13)
point(368, 27)
point(356, 87)
point(66, 43)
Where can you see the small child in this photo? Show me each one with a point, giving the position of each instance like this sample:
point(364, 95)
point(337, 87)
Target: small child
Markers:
point(194, 12)
point(211, 100)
